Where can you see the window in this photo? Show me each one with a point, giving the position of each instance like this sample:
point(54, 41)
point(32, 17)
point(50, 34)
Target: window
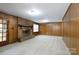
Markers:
point(35, 27)
point(3, 30)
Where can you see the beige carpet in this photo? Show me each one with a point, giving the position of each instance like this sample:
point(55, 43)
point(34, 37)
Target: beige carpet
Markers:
point(39, 45)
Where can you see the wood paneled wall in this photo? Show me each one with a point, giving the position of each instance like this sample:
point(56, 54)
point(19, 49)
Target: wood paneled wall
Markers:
point(25, 22)
point(13, 32)
point(12, 27)
point(54, 28)
point(13, 22)
point(71, 28)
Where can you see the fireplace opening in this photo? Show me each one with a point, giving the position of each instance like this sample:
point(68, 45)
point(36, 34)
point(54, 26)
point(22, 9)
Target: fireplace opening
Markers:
point(26, 31)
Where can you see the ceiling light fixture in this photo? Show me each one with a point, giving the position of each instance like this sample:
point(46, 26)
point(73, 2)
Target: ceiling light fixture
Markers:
point(33, 12)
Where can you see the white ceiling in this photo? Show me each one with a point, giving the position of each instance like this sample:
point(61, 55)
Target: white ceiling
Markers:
point(52, 12)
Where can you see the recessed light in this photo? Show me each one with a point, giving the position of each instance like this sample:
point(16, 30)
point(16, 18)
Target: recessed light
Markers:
point(34, 12)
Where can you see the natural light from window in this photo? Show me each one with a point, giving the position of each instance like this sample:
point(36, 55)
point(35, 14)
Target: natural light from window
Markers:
point(35, 27)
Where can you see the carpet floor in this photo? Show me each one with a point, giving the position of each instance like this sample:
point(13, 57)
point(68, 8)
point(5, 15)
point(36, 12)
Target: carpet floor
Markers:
point(39, 45)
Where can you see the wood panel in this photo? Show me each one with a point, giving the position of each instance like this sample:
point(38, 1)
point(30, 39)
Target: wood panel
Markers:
point(54, 29)
point(25, 22)
point(71, 28)
point(12, 29)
